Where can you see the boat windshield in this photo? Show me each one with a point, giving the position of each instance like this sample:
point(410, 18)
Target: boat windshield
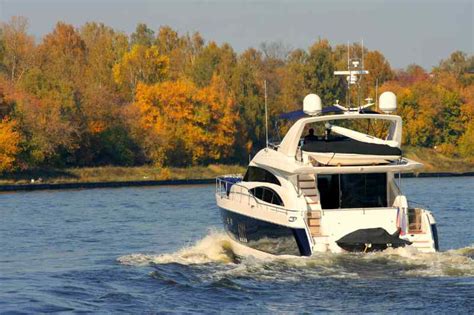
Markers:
point(378, 128)
point(353, 190)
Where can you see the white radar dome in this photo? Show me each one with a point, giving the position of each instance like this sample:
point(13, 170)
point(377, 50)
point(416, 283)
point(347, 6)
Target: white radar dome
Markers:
point(388, 102)
point(312, 104)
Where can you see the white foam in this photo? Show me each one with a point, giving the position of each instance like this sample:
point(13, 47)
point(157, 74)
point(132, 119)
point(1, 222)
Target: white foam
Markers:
point(217, 248)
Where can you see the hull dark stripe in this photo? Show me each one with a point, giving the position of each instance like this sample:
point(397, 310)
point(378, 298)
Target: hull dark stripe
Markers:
point(434, 232)
point(265, 236)
point(302, 241)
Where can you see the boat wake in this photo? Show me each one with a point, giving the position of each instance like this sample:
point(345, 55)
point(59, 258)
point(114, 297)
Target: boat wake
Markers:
point(214, 252)
point(213, 248)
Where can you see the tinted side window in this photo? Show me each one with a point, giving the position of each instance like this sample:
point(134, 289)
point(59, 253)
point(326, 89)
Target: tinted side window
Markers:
point(257, 192)
point(267, 194)
point(257, 174)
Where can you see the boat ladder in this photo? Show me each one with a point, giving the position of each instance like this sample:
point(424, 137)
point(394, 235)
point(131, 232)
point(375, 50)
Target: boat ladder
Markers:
point(307, 186)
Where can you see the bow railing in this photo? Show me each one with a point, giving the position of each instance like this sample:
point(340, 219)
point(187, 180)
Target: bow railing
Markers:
point(228, 187)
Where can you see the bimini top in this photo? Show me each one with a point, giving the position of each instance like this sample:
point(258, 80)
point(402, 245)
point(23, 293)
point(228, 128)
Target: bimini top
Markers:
point(297, 114)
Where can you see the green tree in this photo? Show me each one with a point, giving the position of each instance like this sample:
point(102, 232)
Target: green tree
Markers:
point(105, 48)
point(213, 60)
point(294, 87)
point(319, 73)
point(466, 142)
point(248, 88)
point(143, 36)
point(457, 63)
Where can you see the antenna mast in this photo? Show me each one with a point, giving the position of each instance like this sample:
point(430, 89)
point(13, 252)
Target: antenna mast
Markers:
point(354, 73)
point(348, 69)
point(266, 114)
point(376, 94)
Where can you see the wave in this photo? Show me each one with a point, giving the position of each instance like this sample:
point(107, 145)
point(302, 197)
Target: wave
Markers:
point(215, 250)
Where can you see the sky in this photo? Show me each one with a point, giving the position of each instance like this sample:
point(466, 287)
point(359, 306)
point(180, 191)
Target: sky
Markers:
point(406, 32)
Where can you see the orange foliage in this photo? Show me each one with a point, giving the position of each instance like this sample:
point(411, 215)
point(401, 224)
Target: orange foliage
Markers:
point(194, 125)
point(141, 64)
point(67, 96)
point(9, 144)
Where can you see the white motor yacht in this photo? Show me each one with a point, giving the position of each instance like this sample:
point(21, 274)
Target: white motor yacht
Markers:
point(331, 185)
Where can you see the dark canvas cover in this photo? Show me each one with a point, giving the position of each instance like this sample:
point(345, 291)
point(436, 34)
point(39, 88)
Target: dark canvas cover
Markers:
point(370, 240)
point(350, 146)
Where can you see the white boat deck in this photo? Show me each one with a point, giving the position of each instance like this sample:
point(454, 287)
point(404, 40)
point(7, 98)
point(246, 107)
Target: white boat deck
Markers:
point(280, 162)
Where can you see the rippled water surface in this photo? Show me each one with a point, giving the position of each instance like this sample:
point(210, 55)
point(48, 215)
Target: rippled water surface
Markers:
point(161, 250)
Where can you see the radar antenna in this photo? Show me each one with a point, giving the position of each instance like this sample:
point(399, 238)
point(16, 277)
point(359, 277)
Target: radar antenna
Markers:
point(355, 68)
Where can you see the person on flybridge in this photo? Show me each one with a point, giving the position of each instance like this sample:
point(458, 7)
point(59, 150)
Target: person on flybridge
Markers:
point(310, 136)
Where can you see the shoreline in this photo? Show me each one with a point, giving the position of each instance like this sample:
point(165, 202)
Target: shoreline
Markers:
point(171, 182)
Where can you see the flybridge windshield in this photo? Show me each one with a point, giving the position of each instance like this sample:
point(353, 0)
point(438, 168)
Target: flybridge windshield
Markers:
point(377, 128)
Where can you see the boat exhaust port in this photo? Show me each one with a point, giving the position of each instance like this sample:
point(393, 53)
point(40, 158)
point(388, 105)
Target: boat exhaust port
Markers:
point(370, 240)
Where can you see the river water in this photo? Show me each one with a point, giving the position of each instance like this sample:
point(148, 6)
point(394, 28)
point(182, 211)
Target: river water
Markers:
point(162, 250)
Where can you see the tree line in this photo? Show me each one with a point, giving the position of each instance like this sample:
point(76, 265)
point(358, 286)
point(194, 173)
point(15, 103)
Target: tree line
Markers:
point(93, 96)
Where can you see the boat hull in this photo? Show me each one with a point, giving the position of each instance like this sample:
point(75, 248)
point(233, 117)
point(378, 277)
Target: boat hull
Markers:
point(265, 236)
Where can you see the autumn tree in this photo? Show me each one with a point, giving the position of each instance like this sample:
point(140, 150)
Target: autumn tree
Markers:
point(181, 50)
point(141, 64)
point(184, 124)
point(9, 144)
point(379, 71)
point(167, 40)
point(2, 50)
point(17, 47)
point(49, 135)
point(95, 96)
point(143, 36)
point(48, 102)
point(63, 53)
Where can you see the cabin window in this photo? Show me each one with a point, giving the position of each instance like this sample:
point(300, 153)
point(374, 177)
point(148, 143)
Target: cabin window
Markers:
point(267, 194)
point(257, 174)
point(353, 190)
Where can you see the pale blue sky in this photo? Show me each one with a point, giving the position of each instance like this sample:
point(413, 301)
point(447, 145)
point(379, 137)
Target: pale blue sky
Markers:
point(417, 31)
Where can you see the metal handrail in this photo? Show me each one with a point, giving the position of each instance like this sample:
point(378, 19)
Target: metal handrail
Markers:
point(244, 191)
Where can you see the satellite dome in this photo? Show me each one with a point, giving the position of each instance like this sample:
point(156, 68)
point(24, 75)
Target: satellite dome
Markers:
point(388, 102)
point(312, 104)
